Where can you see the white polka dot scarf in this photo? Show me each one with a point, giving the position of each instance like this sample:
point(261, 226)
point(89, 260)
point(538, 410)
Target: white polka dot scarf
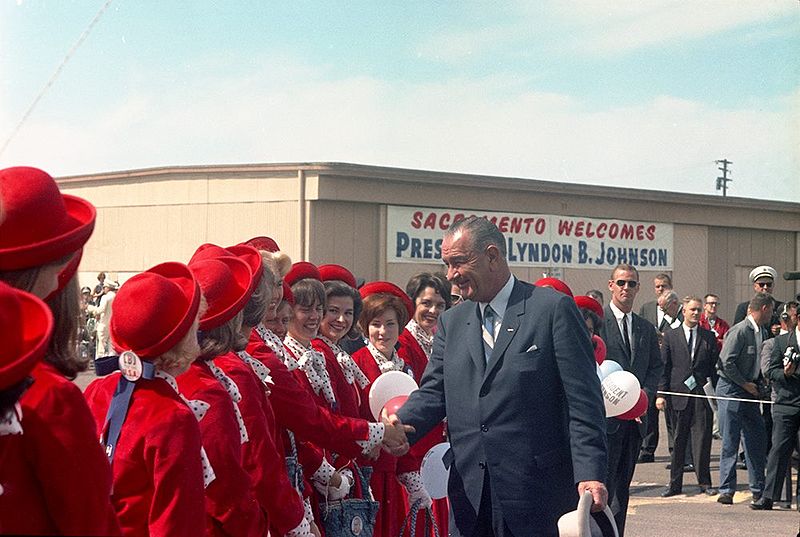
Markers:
point(261, 371)
point(312, 363)
point(395, 363)
point(236, 396)
point(424, 339)
point(350, 369)
point(199, 408)
point(274, 342)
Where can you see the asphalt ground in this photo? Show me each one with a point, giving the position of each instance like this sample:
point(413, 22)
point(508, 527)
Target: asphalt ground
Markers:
point(691, 514)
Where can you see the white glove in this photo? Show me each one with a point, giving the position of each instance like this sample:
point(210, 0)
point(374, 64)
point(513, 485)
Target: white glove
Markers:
point(337, 493)
point(415, 489)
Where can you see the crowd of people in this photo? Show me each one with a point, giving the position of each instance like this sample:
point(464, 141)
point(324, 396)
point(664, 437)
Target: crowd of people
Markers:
point(237, 384)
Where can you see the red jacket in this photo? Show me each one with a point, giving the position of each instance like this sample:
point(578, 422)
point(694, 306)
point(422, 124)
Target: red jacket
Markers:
point(158, 475)
point(55, 477)
point(720, 328)
point(296, 410)
point(346, 395)
point(231, 508)
point(260, 456)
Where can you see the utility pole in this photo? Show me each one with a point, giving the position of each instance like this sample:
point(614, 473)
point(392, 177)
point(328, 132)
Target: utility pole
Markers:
point(722, 182)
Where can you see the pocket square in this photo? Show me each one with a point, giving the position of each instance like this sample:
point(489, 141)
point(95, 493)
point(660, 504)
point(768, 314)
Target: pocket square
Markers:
point(532, 348)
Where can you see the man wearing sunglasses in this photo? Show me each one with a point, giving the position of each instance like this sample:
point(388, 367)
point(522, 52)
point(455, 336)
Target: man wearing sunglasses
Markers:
point(763, 280)
point(632, 342)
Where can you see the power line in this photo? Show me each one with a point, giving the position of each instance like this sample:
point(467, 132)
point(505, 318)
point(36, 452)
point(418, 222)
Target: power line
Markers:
point(55, 75)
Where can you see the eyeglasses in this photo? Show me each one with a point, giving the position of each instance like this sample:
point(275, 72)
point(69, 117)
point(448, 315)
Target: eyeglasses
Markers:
point(712, 303)
point(455, 299)
point(631, 283)
point(764, 284)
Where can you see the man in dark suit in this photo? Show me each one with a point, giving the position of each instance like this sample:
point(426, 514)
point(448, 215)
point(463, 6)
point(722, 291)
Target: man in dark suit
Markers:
point(784, 374)
point(513, 371)
point(632, 342)
point(689, 353)
point(650, 311)
point(763, 280)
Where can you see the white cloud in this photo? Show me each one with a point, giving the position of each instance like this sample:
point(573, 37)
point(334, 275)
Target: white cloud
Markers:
point(289, 112)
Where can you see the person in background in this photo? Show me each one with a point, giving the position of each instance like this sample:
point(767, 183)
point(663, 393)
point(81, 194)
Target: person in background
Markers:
point(280, 323)
point(596, 294)
point(98, 289)
point(102, 312)
point(710, 320)
point(763, 279)
point(455, 296)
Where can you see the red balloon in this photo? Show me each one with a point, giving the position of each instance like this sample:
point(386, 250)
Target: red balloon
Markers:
point(394, 404)
point(599, 349)
point(638, 410)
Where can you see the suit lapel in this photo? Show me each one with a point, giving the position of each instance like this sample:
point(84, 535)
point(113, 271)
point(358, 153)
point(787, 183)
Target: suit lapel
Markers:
point(509, 328)
point(615, 336)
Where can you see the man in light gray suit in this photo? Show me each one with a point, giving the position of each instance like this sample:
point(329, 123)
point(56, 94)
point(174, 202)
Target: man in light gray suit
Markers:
point(513, 371)
point(739, 370)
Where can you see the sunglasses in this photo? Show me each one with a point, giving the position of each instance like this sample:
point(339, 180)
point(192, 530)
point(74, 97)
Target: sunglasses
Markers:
point(764, 284)
point(631, 283)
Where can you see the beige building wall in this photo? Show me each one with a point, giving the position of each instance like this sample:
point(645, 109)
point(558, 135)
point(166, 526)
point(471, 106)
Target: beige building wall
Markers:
point(336, 213)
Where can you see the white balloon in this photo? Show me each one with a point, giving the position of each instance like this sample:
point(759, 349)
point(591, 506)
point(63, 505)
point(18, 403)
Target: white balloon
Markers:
point(620, 392)
point(434, 474)
point(608, 367)
point(389, 385)
point(599, 372)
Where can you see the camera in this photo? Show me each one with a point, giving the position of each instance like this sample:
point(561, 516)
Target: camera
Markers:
point(791, 356)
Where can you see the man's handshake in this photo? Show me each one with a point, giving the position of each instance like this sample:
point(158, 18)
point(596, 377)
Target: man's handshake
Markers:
point(394, 437)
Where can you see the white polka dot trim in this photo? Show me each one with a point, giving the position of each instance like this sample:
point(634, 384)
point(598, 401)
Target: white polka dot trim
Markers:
point(312, 363)
point(236, 396)
point(274, 342)
point(376, 433)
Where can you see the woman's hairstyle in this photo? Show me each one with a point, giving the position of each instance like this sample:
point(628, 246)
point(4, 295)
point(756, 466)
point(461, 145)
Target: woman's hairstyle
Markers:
point(377, 304)
point(223, 339)
point(25, 279)
point(307, 291)
point(419, 282)
point(63, 350)
point(178, 357)
point(279, 263)
point(334, 288)
point(256, 307)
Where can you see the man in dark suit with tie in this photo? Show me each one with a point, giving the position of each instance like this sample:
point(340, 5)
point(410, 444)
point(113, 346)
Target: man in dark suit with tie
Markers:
point(632, 342)
point(738, 372)
point(513, 371)
point(689, 353)
point(650, 311)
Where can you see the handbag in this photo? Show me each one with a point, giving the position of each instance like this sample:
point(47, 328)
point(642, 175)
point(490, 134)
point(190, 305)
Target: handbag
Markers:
point(352, 517)
point(411, 522)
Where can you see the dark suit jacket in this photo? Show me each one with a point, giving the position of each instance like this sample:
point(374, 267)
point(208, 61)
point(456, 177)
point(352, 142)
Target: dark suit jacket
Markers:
point(532, 418)
point(741, 313)
point(678, 364)
point(787, 389)
point(649, 312)
point(645, 361)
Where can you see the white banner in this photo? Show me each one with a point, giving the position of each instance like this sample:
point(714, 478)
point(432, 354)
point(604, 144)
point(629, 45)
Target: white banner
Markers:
point(535, 240)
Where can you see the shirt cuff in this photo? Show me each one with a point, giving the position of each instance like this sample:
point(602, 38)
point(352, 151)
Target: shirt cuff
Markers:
point(302, 530)
point(324, 473)
point(376, 432)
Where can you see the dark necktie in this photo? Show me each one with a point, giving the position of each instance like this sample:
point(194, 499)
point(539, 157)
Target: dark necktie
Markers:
point(625, 336)
point(691, 342)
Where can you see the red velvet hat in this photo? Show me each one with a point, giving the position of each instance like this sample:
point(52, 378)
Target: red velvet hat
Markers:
point(154, 310)
point(337, 272)
point(263, 243)
point(587, 302)
point(287, 293)
point(41, 224)
point(556, 284)
point(67, 273)
point(248, 254)
point(300, 271)
point(373, 288)
point(225, 282)
point(26, 325)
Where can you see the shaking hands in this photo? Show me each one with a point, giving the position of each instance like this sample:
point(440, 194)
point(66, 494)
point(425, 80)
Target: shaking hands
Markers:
point(394, 436)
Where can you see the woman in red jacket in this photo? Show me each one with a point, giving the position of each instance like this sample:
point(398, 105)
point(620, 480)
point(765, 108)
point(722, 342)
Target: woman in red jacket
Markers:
point(395, 482)
point(153, 438)
point(45, 472)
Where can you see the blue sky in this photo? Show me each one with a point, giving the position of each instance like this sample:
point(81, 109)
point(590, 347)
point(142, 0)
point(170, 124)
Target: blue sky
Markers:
point(639, 94)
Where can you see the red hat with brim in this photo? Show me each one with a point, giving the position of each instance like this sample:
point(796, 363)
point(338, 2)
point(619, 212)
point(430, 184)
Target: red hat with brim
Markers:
point(263, 243)
point(301, 271)
point(287, 293)
point(373, 288)
point(26, 325)
point(248, 254)
point(556, 284)
point(337, 272)
point(41, 224)
point(224, 282)
point(154, 310)
point(67, 273)
point(588, 303)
